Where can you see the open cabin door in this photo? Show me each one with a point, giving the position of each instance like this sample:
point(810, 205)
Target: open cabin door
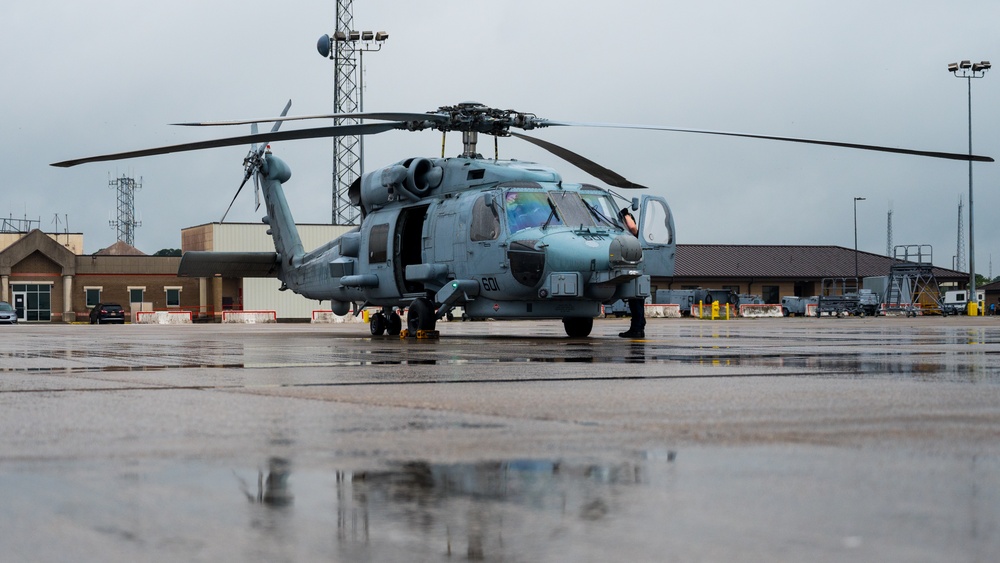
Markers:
point(656, 235)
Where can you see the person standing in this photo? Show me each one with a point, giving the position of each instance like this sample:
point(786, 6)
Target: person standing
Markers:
point(636, 305)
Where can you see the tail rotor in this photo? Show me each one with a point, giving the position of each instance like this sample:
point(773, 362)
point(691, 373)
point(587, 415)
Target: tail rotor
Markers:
point(253, 163)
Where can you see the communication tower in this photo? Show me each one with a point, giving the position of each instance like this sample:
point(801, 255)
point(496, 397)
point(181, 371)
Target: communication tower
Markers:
point(126, 223)
point(888, 233)
point(346, 149)
point(346, 47)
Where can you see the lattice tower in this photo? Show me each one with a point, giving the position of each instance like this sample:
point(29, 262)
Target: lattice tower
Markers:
point(346, 150)
point(126, 223)
point(888, 234)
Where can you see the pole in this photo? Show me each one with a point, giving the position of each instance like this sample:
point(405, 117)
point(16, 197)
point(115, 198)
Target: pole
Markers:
point(972, 242)
point(856, 200)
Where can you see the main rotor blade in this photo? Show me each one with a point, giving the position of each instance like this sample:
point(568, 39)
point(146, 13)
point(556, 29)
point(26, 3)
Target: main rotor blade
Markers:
point(603, 174)
point(314, 133)
point(284, 112)
point(931, 154)
point(386, 116)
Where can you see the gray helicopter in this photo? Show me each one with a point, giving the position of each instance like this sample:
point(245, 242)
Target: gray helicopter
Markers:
point(502, 239)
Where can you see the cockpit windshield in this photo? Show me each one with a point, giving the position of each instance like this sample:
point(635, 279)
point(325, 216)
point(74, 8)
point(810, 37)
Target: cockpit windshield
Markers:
point(603, 208)
point(527, 209)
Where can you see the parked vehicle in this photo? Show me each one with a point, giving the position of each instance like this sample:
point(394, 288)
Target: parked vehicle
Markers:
point(792, 306)
point(688, 298)
point(107, 313)
point(7, 313)
point(957, 302)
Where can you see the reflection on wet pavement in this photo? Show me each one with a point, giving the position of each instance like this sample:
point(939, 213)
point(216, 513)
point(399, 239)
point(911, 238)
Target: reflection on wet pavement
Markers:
point(833, 347)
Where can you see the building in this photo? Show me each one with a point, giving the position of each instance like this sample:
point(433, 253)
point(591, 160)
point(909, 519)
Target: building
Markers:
point(47, 279)
point(774, 271)
point(254, 294)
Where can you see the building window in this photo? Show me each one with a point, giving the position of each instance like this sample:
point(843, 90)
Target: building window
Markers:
point(769, 293)
point(93, 296)
point(135, 294)
point(173, 296)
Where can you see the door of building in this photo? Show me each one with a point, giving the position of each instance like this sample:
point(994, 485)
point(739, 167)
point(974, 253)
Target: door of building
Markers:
point(20, 298)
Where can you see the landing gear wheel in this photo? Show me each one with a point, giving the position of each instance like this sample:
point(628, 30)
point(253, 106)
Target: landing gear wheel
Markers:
point(578, 327)
point(421, 316)
point(394, 324)
point(377, 324)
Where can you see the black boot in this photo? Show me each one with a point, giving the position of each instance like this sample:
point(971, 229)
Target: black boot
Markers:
point(633, 333)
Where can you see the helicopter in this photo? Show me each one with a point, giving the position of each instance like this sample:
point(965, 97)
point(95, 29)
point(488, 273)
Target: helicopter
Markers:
point(504, 239)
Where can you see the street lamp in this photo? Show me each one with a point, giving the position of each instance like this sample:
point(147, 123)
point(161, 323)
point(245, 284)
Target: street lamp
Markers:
point(856, 200)
point(969, 70)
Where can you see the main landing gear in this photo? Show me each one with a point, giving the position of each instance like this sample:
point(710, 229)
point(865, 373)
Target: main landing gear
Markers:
point(382, 323)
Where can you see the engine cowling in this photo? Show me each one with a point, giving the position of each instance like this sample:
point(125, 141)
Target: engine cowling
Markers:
point(410, 179)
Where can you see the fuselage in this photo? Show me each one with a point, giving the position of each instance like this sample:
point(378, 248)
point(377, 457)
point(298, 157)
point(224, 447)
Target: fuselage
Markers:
point(499, 238)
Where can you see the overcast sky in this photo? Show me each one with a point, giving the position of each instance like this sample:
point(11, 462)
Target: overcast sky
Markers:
point(84, 78)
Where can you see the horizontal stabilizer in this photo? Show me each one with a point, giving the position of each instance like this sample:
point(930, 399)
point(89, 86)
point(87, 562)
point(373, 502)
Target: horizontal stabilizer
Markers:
point(200, 264)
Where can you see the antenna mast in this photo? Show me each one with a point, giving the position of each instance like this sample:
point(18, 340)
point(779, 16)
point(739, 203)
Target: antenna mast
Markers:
point(888, 233)
point(126, 223)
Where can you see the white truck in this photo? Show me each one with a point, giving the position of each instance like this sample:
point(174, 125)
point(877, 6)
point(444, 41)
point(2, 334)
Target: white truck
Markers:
point(957, 302)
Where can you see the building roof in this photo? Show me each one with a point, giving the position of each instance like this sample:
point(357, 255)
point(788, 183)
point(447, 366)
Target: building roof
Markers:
point(120, 248)
point(784, 261)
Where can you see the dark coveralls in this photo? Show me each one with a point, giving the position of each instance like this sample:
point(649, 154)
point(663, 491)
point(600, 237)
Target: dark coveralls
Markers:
point(636, 305)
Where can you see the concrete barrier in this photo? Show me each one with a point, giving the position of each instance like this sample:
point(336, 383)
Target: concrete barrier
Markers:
point(327, 316)
point(249, 317)
point(163, 317)
point(666, 310)
point(760, 311)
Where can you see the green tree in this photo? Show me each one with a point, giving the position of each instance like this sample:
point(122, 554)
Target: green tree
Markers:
point(168, 252)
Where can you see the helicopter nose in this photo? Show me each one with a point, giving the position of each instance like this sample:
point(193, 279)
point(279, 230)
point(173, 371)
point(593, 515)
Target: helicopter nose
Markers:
point(624, 250)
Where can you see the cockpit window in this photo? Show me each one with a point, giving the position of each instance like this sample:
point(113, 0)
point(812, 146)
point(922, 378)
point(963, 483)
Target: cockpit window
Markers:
point(529, 209)
point(485, 221)
point(603, 209)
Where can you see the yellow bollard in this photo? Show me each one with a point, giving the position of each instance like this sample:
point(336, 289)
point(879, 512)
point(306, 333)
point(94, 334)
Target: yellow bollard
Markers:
point(715, 310)
point(973, 308)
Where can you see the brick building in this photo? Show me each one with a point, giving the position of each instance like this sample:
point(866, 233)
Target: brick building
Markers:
point(46, 280)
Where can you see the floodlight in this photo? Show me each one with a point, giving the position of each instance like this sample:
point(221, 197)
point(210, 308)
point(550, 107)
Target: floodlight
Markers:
point(381, 36)
point(340, 36)
point(953, 67)
point(966, 64)
point(355, 35)
point(367, 35)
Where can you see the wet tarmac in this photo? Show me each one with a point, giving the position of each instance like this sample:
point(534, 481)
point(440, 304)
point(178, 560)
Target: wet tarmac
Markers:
point(751, 440)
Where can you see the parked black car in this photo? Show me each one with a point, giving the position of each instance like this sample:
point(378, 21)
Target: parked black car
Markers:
point(107, 313)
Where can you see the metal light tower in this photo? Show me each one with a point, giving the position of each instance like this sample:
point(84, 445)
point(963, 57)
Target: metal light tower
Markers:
point(348, 151)
point(960, 246)
point(126, 223)
point(968, 71)
point(856, 200)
